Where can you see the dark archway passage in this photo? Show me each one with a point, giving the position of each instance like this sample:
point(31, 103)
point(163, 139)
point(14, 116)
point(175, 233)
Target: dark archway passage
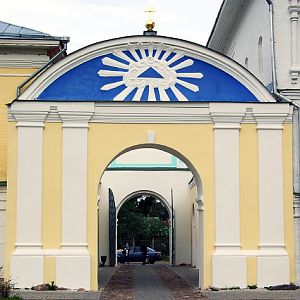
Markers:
point(144, 220)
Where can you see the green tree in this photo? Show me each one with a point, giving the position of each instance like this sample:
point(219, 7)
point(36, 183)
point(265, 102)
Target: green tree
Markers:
point(142, 218)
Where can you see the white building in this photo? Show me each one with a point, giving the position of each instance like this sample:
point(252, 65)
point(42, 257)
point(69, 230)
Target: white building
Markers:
point(264, 37)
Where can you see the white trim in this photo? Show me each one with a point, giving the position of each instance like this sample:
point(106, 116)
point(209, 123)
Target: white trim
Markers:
point(187, 48)
point(239, 252)
point(77, 114)
point(74, 251)
point(150, 136)
point(23, 61)
point(14, 75)
point(44, 44)
point(30, 124)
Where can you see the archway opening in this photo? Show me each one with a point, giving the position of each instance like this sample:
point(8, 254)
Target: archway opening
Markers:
point(144, 220)
point(167, 175)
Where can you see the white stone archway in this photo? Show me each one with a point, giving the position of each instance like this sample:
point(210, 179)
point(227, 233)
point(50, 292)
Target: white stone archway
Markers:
point(183, 239)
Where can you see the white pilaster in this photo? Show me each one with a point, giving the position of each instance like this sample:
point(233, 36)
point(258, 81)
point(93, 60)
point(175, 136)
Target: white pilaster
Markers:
point(227, 185)
point(294, 9)
point(227, 197)
point(200, 237)
point(27, 267)
point(3, 197)
point(297, 236)
point(74, 180)
point(270, 185)
point(296, 184)
point(29, 183)
point(274, 268)
point(74, 201)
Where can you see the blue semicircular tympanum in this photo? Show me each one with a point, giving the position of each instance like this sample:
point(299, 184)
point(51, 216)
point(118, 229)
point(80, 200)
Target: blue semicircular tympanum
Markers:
point(146, 75)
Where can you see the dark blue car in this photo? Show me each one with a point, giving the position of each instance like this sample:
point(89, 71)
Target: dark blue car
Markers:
point(135, 255)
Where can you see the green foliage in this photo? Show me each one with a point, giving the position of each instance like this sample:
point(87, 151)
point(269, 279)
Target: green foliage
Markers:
point(52, 286)
point(142, 218)
point(5, 288)
point(252, 287)
point(154, 227)
point(11, 298)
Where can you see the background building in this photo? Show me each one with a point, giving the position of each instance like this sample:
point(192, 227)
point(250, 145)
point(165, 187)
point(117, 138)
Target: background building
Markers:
point(22, 52)
point(264, 37)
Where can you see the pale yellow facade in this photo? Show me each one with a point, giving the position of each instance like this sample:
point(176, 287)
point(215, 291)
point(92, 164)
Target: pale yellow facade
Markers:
point(10, 79)
point(238, 150)
point(198, 151)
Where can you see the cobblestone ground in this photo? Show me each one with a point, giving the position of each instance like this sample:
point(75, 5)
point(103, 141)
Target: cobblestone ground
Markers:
point(138, 282)
point(120, 285)
point(178, 288)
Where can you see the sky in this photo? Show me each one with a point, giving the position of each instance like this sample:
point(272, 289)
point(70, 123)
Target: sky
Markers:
point(90, 21)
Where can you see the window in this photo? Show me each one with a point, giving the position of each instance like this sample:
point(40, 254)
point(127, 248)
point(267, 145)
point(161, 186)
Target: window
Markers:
point(246, 64)
point(260, 55)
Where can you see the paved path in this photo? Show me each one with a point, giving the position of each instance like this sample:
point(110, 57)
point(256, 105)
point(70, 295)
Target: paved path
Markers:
point(148, 285)
point(148, 282)
point(154, 282)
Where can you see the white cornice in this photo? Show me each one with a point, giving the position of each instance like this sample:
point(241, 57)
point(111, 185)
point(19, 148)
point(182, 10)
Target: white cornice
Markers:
point(152, 113)
point(23, 60)
point(14, 74)
point(187, 48)
point(44, 44)
point(79, 114)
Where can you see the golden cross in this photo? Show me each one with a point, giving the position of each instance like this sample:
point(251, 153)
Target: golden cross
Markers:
point(150, 10)
point(149, 23)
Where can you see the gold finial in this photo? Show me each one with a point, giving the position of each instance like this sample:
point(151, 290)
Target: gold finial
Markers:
point(150, 23)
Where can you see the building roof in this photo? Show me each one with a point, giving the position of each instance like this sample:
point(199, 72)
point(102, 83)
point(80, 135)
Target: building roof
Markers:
point(228, 14)
point(11, 31)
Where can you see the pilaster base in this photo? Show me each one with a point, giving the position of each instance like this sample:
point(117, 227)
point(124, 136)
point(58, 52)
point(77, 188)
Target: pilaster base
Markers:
point(229, 271)
point(272, 270)
point(27, 270)
point(73, 271)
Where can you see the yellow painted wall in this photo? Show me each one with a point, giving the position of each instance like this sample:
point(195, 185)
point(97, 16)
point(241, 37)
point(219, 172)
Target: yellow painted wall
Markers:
point(11, 207)
point(49, 269)
point(52, 186)
point(251, 270)
point(10, 79)
point(249, 193)
point(194, 141)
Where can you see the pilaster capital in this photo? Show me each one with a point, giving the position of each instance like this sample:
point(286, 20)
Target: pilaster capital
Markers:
point(75, 120)
point(226, 116)
point(26, 118)
point(294, 9)
point(200, 204)
point(271, 120)
point(76, 115)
